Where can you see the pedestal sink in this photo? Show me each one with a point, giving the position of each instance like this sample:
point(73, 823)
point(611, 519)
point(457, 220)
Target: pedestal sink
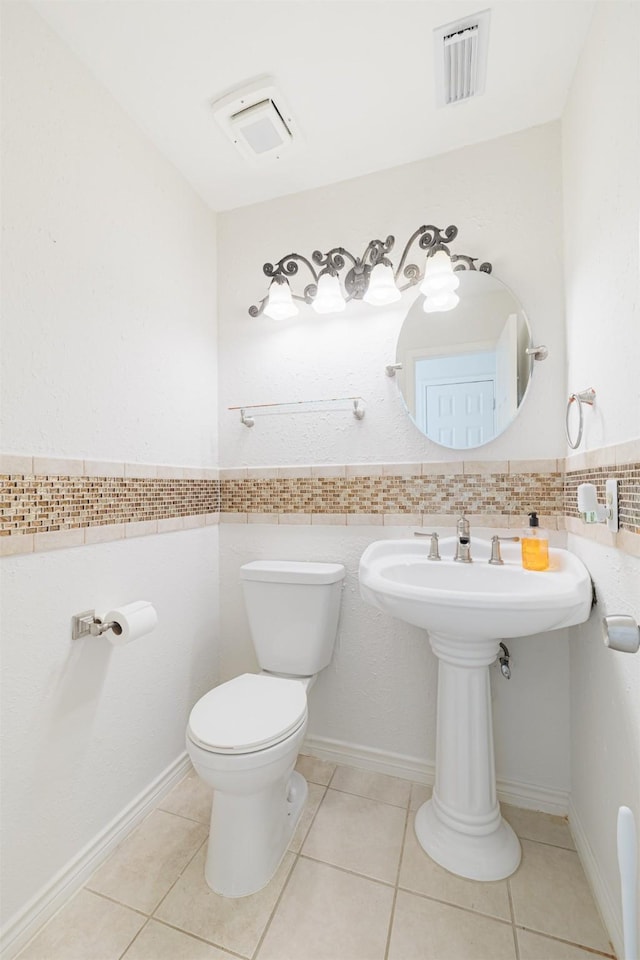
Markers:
point(467, 608)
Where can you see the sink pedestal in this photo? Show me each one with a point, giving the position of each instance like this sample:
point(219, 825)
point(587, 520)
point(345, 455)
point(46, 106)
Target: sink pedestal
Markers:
point(464, 606)
point(461, 827)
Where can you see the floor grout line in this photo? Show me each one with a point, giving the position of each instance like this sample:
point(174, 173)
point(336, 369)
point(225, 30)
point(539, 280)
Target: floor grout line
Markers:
point(182, 816)
point(261, 938)
point(330, 781)
point(120, 903)
point(546, 843)
point(513, 920)
point(296, 855)
point(352, 873)
point(187, 864)
point(131, 942)
point(163, 898)
point(570, 943)
point(365, 796)
point(196, 936)
point(457, 906)
point(395, 891)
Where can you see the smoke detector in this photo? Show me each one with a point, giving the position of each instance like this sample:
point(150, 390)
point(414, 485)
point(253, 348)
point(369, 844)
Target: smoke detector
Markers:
point(461, 58)
point(257, 120)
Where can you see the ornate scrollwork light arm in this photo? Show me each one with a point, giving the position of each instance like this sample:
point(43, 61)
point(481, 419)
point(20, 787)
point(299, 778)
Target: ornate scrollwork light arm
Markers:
point(255, 311)
point(377, 251)
point(432, 238)
point(356, 271)
point(333, 261)
point(288, 267)
point(461, 261)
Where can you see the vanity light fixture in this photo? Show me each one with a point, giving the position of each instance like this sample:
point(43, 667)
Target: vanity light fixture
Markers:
point(336, 277)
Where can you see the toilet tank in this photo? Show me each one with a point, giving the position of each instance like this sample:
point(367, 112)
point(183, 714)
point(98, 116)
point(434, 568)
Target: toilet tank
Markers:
point(293, 610)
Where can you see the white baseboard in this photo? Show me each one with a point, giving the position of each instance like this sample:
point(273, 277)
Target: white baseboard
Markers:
point(77, 871)
point(530, 796)
point(368, 758)
point(602, 893)
point(520, 794)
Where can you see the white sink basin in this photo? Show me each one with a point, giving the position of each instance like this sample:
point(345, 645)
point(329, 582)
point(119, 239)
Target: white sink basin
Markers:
point(467, 608)
point(475, 600)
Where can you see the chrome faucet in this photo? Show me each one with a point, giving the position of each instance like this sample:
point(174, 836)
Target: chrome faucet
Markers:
point(463, 546)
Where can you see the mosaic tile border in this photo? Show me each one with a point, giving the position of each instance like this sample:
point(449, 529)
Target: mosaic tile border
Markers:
point(46, 504)
point(499, 493)
point(51, 503)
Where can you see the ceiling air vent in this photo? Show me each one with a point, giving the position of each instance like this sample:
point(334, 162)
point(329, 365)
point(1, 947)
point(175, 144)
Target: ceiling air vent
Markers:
point(461, 58)
point(257, 120)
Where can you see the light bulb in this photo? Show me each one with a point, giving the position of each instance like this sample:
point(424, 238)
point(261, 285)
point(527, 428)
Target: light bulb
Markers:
point(441, 302)
point(329, 297)
point(439, 276)
point(280, 305)
point(382, 286)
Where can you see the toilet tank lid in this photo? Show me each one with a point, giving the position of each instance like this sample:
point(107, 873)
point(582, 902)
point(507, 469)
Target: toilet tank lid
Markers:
point(292, 571)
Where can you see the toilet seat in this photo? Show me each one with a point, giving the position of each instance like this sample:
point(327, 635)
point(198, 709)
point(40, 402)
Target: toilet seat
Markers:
point(247, 714)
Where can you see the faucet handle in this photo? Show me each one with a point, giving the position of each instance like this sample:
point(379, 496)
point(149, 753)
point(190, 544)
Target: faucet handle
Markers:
point(496, 556)
point(434, 551)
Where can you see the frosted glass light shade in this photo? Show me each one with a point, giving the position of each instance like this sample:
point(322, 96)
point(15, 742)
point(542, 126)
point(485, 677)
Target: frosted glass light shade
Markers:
point(441, 302)
point(329, 297)
point(439, 276)
point(280, 305)
point(382, 286)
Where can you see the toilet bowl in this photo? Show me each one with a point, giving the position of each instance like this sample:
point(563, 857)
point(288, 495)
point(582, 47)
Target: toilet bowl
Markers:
point(244, 736)
point(243, 739)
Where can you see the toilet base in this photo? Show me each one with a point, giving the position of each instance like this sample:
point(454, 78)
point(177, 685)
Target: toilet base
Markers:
point(250, 835)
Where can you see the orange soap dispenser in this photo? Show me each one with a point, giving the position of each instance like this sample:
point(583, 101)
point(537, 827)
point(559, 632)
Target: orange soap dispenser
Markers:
point(535, 545)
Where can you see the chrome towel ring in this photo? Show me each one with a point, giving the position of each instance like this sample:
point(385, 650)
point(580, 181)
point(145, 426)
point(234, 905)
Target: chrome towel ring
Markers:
point(584, 396)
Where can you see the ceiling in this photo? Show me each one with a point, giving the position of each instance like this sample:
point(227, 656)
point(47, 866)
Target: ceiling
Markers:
point(358, 76)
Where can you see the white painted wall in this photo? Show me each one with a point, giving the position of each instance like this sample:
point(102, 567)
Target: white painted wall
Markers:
point(109, 264)
point(601, 167)
point(110, 351)
point(87, 726)
point(505, 198)
point(379, 692)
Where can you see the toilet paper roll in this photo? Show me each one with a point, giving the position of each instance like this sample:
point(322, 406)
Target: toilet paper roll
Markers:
point(131, 621)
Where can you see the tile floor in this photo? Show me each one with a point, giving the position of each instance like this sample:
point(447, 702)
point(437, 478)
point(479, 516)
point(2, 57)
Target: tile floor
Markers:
point(354, 885)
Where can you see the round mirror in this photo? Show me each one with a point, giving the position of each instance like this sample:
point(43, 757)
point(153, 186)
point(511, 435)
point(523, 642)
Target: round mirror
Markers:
point(465, 372)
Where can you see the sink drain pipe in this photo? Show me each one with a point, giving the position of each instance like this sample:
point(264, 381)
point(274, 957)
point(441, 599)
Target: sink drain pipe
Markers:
point(505, 668)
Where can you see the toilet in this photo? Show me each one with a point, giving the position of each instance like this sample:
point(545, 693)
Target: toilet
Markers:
point(244, 736)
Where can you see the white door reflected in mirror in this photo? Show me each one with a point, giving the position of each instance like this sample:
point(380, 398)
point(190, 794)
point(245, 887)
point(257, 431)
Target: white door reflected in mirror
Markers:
point(465, 371)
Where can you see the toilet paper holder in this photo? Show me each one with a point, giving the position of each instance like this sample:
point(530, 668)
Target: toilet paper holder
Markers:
point(87, 624)
point(621, 632)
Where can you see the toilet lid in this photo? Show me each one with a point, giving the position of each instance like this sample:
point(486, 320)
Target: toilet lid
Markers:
point(249, 713)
